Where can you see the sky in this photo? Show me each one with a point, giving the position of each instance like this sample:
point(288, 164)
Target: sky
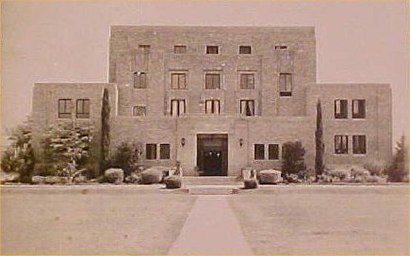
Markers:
point(65, 41)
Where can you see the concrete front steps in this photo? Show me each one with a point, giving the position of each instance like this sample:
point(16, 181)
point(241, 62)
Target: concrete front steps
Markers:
point(211, 185)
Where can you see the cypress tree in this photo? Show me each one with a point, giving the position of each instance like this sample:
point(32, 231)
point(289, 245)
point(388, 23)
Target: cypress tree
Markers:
point(320, 146)
point(105, 131)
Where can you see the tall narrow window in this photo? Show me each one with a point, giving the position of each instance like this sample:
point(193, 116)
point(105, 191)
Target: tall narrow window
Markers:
point(273, 150)
point(212, 49)
point(247, 81)
point(247, 107)
point(140, 80)
point(212, 107)
point(245, 49)
point(179, 49)
point(359, 144)
point(83, 108)
point(178, 107)
point(358, 109)
point(64, 108)
point(212, 81)
point(139, 111)
point(340, 109)
point(341, 144)
point(164, 151)
point(151, 151)
point(285, 84)
point(259, 151)
point(178, 81)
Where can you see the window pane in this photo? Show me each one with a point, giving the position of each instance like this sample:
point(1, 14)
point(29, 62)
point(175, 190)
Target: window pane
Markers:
point(285, 84)
point(151, 151)
point(273, 151)
point(164, 151)
point(259, 152)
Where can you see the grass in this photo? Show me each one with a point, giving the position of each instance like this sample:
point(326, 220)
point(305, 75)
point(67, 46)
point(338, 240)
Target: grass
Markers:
point(325, 219)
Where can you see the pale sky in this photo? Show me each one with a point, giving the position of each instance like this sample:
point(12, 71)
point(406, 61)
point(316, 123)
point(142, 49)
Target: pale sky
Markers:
point(68, 41)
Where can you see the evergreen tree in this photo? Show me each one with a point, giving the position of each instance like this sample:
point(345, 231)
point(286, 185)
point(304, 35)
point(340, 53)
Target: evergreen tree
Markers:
point(105, 131)
point(320, 146)
point(397, 170)
point(293, 158)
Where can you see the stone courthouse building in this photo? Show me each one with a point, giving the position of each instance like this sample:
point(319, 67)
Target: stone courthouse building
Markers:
point(219, 99)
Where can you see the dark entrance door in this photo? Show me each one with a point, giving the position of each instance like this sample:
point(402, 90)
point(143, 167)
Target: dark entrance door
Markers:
point(212, 154)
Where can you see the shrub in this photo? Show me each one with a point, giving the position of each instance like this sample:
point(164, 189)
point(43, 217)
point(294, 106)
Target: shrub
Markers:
point(172, 182)
point(375, 167)
point(250, 184)
point(293, 158)
point(341, 174)
point(397, 171)
point(127, 157)
point(375, 179)
point(356, 171)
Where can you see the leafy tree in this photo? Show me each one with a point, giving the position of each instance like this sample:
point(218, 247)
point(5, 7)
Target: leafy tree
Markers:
point(293, 158)
point(397, 170)
point(105, 131)
point(127, 157)
point(320, 146)
point(19, 156)
point(67, 148)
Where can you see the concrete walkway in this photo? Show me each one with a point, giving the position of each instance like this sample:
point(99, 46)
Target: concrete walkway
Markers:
point(211, 228)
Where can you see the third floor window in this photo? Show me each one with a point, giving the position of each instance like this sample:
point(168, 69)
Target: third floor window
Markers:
point(247, 81)
point(212, 49)
point(178, 81)
point(212, 81)
point(245, 49)
point(179, 49)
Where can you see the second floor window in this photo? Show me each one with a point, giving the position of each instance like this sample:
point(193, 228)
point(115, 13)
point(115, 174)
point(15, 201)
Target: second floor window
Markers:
point(212, 107)
point(341, 144)
point(358, 109)
point(140, 80)
point(340, 109)
point(247, 107)
point(212, 81)
point(359, 144)
point(247, 81)
point(178, 81)
point(139, 111)
point(285, 84)
point(177, 107)
point(64, 108)
point(212, 49)
point(83, 108)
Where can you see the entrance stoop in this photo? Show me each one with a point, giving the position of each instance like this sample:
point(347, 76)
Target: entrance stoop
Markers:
point(211, 180)
point(212, 190)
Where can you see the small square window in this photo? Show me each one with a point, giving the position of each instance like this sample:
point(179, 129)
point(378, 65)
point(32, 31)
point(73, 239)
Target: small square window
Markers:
point(145, 48)
point(259, 152)
point(273, 151)
point(179, 49)
point(285, 84)
point(83, 108)
point(245, 49)
point(341, 144)
point(358, 109)
point(164, 151)
point(139, 111)
point(340, 109)
point(140, 80)
point(359, 144)
point(212, 49)
point(151, 151)
point(247, 81)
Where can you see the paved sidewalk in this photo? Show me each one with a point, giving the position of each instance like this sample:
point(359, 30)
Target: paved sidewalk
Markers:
point(211, 228)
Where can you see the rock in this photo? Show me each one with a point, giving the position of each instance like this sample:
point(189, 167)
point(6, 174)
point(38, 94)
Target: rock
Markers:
point(114, 175)
point(133, 178)
point(55, 180)
point(153, 175)
point(250, 183)
point(270, 176)
point(38, 180)
point(9, 177)
point(80, 179)
point(172, 182)
point(293, 178)
point(248, 173)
